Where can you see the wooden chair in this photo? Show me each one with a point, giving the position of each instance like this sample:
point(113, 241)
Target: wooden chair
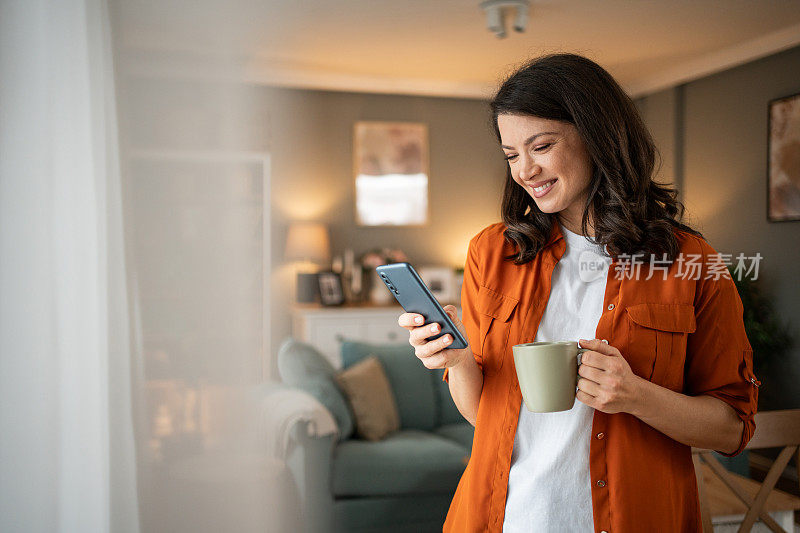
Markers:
point(774, 429)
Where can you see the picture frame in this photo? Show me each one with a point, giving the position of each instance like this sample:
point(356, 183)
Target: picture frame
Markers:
point(783, 159)
point(440, 281)
point(330, 288)
point(390, 162)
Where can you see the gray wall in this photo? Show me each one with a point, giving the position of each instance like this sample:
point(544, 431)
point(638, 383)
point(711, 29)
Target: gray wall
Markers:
point(312, 150)
point(309, 136)
point(712, 134)
point(659, 111)
point(715, 132)
point(311, 143)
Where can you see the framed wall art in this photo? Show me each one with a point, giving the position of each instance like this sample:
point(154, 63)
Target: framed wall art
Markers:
point(783, 174)
point(391, 173)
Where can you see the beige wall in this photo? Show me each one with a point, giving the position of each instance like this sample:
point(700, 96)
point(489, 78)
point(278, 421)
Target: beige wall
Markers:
point(721, 128)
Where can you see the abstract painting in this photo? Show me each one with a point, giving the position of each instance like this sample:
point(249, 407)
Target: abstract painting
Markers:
point(391, 173)
point(783, 181)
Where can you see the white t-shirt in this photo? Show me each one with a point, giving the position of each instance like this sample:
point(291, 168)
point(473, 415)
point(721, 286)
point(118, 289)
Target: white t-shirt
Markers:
point(549, 486)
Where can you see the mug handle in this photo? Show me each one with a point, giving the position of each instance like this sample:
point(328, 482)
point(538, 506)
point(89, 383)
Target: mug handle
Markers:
point(580, 352)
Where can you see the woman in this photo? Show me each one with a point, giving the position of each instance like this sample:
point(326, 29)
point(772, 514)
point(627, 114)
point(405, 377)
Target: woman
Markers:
point(590, 248)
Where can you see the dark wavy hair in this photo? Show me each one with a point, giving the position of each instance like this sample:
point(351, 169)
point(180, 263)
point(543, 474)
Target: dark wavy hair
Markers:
point(631, 213)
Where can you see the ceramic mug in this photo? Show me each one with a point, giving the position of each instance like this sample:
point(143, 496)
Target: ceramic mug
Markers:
point(548, 374)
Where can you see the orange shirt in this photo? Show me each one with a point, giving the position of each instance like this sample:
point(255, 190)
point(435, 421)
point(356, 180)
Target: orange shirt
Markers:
point(684, 333)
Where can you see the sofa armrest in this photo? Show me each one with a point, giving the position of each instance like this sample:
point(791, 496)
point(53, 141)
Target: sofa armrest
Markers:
point(285, 410)
point(299, 431)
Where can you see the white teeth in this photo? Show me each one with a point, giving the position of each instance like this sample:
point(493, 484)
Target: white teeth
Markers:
point(545, 186)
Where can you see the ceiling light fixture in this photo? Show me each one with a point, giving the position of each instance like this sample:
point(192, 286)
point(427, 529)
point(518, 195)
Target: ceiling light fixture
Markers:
point(495, 15)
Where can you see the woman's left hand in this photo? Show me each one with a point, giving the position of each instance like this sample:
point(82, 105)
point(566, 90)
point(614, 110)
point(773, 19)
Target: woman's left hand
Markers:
point(606, 380)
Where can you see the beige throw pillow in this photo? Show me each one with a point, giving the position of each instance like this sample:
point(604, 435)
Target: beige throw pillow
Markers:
point(367, 388)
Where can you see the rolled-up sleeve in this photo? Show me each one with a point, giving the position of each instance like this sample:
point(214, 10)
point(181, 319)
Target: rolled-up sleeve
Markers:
point(719, 358)
point(469, 296)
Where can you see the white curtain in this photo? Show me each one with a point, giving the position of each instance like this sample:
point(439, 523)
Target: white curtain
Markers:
point(67, 455)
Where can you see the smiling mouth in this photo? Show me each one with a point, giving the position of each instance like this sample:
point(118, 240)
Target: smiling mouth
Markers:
point(544, 187)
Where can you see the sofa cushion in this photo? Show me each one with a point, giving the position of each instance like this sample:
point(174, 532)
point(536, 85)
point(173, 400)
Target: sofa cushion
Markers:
point(411, 382)
point(461, 432)
point(406, 462)
point(446, 410)
point(367, 389)
point(301, 365)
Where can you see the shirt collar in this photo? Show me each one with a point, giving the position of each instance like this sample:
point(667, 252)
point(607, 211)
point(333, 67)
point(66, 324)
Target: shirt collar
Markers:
point(557, 235)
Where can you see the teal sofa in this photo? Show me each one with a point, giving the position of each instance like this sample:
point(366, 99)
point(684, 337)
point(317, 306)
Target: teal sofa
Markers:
point(402, 483)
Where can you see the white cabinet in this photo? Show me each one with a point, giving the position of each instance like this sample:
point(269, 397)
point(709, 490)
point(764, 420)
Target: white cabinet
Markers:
point(326, 327)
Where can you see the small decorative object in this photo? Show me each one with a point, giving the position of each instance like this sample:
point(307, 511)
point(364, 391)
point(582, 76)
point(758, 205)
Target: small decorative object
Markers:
point(379, 294)
point(330, 288)
point(307, 242)
point(347, 273)
point(352, 277)
point(440, 280)
point(337, 265)
point(357, 283)
point(391, 173)
point(783, 198)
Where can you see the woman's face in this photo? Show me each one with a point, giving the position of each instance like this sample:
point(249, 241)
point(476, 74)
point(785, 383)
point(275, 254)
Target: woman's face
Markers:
point(549, 160)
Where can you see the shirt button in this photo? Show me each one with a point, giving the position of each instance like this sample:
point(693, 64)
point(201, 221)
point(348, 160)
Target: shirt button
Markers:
point(601, 483)
point(601, 435)
point(610, 307)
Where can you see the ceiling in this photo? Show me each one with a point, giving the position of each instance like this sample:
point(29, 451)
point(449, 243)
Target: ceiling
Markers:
point(442, 47)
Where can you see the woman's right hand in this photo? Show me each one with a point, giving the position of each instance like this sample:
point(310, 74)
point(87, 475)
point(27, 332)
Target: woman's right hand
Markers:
point(434, 354)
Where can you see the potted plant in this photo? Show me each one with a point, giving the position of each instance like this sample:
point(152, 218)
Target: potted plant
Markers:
point(768, 336)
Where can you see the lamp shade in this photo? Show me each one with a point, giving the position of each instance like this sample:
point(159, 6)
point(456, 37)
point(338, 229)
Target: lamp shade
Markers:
point(308, 241)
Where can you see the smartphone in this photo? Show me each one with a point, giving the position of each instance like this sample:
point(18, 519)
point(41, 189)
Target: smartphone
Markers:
point(411, 292)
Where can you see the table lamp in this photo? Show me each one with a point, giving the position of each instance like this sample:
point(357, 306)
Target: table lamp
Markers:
point(308, 242)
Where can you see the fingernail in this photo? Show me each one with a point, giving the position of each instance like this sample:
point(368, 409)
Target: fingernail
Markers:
point(418, 320)
point(434, 328)
point(605, 341)
point(447, 339)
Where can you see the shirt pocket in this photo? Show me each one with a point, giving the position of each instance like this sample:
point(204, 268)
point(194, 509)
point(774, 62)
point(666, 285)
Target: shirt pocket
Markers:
point(494, 313)
point(657, 337)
